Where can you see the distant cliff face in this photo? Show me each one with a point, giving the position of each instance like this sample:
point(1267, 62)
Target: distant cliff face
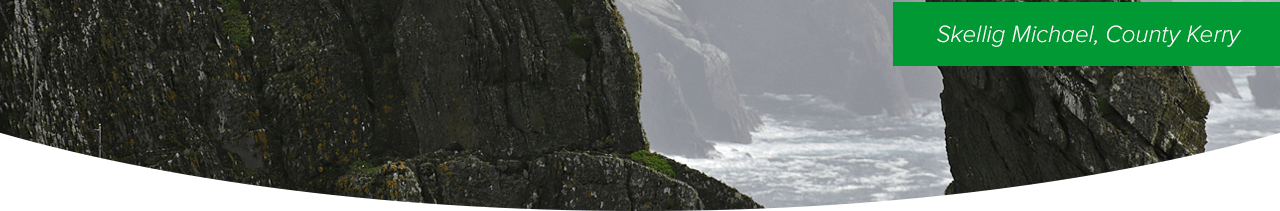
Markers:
point(1011, 126)
point(671, 125)
point(1264, 85)
point(695, 96)
point(719, 49)
point(326, 96)
point(837, 49)
point(1214, 80)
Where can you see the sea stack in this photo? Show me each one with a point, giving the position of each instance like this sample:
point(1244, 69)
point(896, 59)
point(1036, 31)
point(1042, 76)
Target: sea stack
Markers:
point(1011, 126)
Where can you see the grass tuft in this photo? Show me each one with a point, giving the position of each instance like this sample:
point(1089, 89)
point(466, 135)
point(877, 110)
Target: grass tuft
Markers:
point(364, 167)
point(654, 161)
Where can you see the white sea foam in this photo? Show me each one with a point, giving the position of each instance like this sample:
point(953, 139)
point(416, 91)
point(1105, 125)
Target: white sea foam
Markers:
point(1234, 121)
point(772, 130)
point(777, 96)
point(811, 151)
point(802, 158)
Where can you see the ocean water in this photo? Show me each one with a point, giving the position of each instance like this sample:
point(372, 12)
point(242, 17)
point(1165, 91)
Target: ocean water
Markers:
point(1236, 121)
point(811, 151)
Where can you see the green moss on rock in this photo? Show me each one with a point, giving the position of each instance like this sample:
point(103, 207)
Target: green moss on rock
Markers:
point(235, 23)
point(654, 161)
point(230, 4)
point(1104, 107)
point(365, 167)
point(580, 46)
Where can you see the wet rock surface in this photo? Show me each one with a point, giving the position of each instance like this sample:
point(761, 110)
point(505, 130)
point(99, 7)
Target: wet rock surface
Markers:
point(1011, 126)
point(292, 94)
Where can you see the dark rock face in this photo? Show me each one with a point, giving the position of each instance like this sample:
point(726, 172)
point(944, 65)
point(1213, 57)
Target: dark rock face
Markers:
point(1010, 126)
point(291, 94)
point(1214, 80)
point(1265, 86)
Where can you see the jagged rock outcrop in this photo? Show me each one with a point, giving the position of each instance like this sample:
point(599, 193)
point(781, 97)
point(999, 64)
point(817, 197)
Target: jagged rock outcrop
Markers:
point(1010, 126)
point(1214, 80)
point(298, 94)
point(1265, 87)
point(700, 70)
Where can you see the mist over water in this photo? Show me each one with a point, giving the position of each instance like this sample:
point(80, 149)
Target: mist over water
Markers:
point(817, 145)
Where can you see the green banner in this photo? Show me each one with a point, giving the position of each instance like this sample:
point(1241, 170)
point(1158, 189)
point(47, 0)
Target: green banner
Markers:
point(1086, 34)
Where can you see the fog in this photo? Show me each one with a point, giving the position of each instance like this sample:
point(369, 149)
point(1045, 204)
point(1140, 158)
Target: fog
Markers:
point(712, 51)
point(797, 102)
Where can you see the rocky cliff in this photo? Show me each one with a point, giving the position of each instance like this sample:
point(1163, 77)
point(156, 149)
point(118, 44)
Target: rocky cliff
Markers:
point(840, 50)
point(1011, 126)
point(1264, 85)
point(493, 103)
point(694, 79)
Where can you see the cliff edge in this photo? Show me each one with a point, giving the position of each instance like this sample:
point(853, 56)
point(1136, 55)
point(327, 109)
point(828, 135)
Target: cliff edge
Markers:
point(529, 104)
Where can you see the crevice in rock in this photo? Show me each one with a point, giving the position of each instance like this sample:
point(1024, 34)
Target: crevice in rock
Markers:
point(1081, 165)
